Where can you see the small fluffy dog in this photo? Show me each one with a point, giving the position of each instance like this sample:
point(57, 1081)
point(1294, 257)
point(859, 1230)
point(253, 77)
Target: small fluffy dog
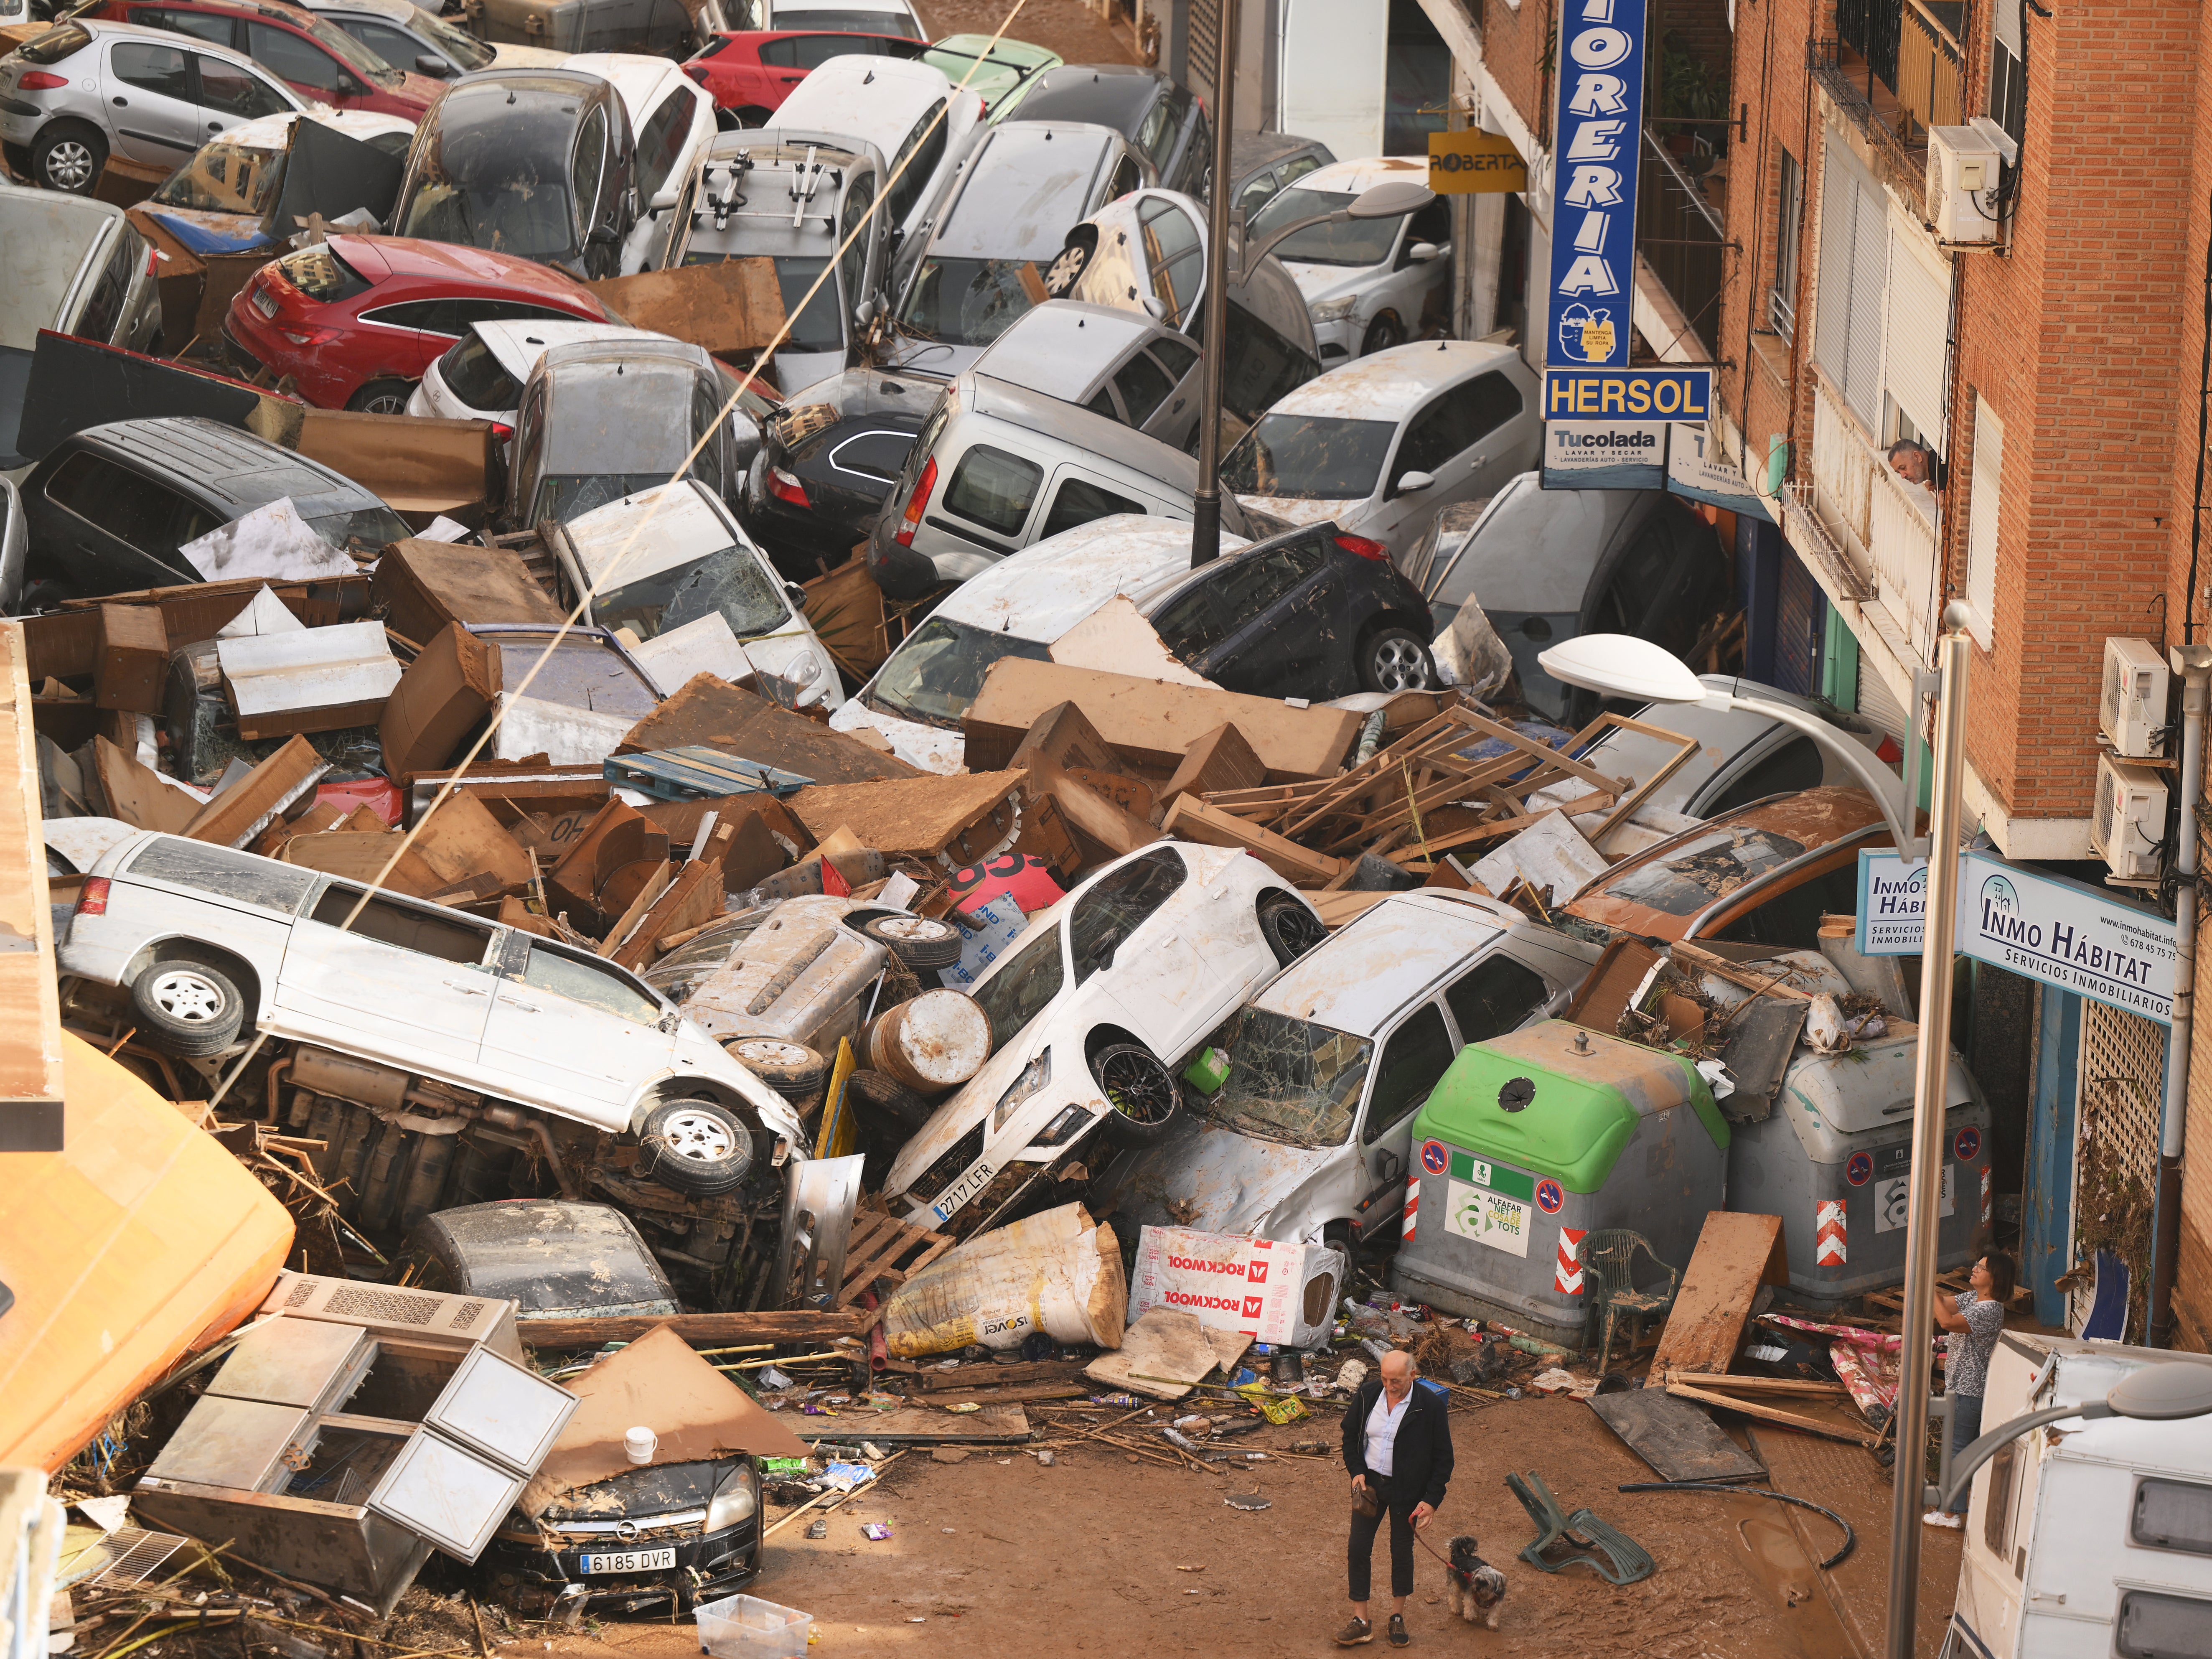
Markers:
point(1473, 1588)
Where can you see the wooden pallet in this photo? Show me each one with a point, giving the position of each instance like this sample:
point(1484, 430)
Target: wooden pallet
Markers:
point(883, 1247)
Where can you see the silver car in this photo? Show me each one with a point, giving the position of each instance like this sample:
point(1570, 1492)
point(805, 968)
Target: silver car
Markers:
point(84, 91)
point(210, 943)
point(1310, 1136)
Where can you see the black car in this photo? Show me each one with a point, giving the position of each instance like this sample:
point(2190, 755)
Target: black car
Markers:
point(1263, 163)
point(559, 1259)
point(821, 478)
point(1311, 613)
point(538, 163)
point(109, 507)
point(1165, 125)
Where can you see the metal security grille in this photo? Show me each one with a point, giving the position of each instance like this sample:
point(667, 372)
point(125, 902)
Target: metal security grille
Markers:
point(1204, 38)
point(2116, 1156)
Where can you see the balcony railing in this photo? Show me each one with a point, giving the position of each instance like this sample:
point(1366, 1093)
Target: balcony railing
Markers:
point(1876, 532)
point(1900, 142)
point(1682, 238)
point(1902, 548)
point(1930, 74)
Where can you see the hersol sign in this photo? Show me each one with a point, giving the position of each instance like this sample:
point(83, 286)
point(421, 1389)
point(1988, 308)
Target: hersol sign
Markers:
point(2045, 928)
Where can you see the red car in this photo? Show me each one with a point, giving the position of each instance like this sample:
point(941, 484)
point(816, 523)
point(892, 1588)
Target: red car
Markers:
point(355, 320)
point(317, 59)
point(749, 72)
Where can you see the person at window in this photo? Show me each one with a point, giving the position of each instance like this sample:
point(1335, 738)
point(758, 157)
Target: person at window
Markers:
point(1916, 464)
point(1975, 1319)
point(1398, 1446)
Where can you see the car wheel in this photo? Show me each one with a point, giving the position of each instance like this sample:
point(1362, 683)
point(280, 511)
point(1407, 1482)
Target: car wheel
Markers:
point(696, 1146)
point(1065, 272)
point(1140, 1090)
point(888, 1097)
point(187, 1010)
point(1289, 929)
point(1382, 333)
point(1396, 659)
point(792, 1069)
point(68, 156)
point(382, 397)
point(916, 941)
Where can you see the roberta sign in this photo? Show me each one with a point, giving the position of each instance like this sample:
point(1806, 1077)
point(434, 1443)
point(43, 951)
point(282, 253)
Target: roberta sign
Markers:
point(2045, 928)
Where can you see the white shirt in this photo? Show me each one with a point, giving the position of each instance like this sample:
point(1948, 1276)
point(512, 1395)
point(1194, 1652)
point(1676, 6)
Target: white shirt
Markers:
point(1382, 1431)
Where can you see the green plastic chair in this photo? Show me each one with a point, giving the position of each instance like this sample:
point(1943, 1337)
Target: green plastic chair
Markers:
point(1609, 1288)
point(1581, 1538)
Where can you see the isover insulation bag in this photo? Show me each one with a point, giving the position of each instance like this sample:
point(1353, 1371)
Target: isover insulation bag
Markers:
point(1270, 1291)
point(1058, 1272)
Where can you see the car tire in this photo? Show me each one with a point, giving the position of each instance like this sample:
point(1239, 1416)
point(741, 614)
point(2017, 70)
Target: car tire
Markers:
point(1382, 333)
point(1289, 929)
point(917, 941)
point(384, 397)
point(792, 1069)
point(1141, 1092)
point(1396, 659)
point(890, 1098)
point(1061, 276)
point(67, 155)
point(186, 1009)
point(696, 1146)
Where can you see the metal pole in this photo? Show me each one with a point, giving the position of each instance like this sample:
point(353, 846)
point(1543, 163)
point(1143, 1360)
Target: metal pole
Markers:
point(1953, 657)
point(2195, 662)
point(1205, 507)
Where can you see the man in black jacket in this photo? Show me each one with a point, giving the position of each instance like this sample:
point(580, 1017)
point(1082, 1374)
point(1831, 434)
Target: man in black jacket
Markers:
point(1397, 1445)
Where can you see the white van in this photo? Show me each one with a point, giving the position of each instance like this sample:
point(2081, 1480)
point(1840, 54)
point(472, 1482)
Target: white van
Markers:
point(2085, 1539)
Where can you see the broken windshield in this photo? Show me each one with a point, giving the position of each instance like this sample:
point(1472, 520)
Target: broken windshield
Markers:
point(936, 674)
point(1708, 868)
point(1290, 1080)
point(1018, 993)
point(731, 581)
point(1309, 457)
point(970, 302)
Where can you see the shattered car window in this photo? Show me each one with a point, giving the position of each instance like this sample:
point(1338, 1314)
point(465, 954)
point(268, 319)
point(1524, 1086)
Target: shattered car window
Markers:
point(1290, 1080)
point(225, 179)
point(1018, 987)
point(1118, 904)
point(1708, 868)
point(970, 302)
point(936, 674)
point(226, 874)
point(731, 581)
point(366, 532)
point(1357, 242)
point(565, 496)
point(1309, 457)
point(520, 213)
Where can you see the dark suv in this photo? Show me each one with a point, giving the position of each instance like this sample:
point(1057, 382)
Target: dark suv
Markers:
point(1164, 123)
point(109, 507)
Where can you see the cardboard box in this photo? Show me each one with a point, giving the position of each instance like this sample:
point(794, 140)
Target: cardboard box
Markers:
point(443, 696)
point(420, 466)
point(424, 586)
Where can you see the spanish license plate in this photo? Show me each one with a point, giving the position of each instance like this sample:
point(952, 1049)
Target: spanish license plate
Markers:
point(630, 1561)
point(960, 1191)
point(264, 302)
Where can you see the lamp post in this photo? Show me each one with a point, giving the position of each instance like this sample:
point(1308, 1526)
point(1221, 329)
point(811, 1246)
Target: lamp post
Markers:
point(1616, 664)
point(1622, 665)
point(1383, 201)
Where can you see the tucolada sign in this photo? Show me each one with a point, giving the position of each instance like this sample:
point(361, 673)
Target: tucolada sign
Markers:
point(2045, 928)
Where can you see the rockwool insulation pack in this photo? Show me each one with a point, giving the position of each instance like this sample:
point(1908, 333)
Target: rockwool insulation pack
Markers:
point(1270, 1291)
point(1058, 1272)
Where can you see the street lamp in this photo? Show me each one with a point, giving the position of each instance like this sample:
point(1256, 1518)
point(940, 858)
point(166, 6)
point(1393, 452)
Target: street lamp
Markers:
point(2156, 1394)
point(1621, 666)
point(1389, 200)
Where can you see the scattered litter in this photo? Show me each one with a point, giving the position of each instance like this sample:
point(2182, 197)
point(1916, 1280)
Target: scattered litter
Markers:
point(1247, 1500)
point(875, 1529)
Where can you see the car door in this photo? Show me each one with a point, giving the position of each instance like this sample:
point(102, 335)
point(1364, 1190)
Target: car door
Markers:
point(228, 93)
point(1415, 1056)
point(1444, 440)
point(408, 984)
point(150, 110)
point(980, 516)
point(572, 1031)
point(1244, 626)
point(1125, 930)
point(1077, 499)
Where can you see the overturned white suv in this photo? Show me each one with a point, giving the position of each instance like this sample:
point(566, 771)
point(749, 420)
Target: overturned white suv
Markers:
point(415, 1011)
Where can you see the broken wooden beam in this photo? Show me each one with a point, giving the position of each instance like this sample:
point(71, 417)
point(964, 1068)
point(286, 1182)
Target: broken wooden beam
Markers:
point(1192, 819)
point(1826, 1430)
point(796, 1326)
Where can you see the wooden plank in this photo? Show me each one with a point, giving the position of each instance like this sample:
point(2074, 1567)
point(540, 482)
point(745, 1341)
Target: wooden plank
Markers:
point(1191, 819)
point(731, 304)
point(31, 1035)
point(244, 810)
point(1221, 760)
point(1665, 770)
point(795, 1326)
point(1490, 829)
point(988, 1374)
point(716, 714)
point(993, 1426)
point(134, 658)
point(917, 814)
point(1061, 736)
point(1735, 1254)
point(1676, 1438)
point(1704, 961)
point(1016, 1393)
point(1773, 1414)
point(1758, 1384)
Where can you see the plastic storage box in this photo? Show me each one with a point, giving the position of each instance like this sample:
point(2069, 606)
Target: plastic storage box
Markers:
point(747, 1628)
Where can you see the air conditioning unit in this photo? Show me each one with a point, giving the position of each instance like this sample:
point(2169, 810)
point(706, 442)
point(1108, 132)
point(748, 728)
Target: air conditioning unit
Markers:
point(1962, 184)
point(2131, 703)
point(2129, 821)
point(387, 1311)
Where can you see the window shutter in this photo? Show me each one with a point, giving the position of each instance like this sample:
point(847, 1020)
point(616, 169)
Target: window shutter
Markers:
point(2004, 25)
point(1982, 511)
point(1831, 323)
point(1918, 328)
point(1869, 271)
point(1854, 268)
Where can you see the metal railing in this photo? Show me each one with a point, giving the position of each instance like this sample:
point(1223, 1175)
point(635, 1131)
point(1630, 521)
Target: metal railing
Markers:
point(1901, 159)
point(1931, 77)
point(1683, 239)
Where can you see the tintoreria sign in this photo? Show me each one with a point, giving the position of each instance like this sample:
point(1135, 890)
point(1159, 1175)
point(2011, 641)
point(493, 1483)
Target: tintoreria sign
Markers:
point(2044, 927)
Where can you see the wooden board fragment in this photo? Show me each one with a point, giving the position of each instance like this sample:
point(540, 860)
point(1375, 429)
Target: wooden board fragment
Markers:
point(462, 840)
point(134, 658)
point(1221, 759)
point(1103, 830)
point(1061, 737)
point(732, 305)
point(795, 1326)
point(716, 714)
point(920, 815)
point(1735, 1254)
point(243, 811)
point(138, 796)
point(1675, 1436)
point(1824, 1428)
point(1191, 819)
point(993, 1426)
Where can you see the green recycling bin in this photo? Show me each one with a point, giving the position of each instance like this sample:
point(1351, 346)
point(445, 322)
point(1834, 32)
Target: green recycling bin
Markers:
point(1533, 1140)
